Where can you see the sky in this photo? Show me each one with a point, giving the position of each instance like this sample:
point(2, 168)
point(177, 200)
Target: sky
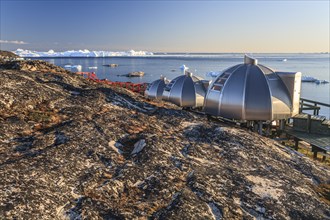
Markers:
point(166, 26)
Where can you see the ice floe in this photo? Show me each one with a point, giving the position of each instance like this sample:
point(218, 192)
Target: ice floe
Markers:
point(313, 79)
point(213, 74)
point(73, 68)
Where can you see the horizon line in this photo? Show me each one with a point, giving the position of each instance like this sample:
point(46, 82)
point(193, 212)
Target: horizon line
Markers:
point(180, 52)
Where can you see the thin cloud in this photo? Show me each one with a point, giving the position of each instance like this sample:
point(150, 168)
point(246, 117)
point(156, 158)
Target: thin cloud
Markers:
point(12, 42)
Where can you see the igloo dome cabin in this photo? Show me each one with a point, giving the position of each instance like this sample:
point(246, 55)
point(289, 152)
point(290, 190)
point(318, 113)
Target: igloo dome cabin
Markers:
point(186, 90)
point(251, 91)
point(156, 88)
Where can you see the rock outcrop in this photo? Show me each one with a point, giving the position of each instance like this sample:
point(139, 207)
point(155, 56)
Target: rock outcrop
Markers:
point(74, 149)
point(31, 65)
point(7, 54)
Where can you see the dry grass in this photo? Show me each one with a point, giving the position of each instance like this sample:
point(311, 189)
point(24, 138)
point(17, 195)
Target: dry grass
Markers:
point(324, 191)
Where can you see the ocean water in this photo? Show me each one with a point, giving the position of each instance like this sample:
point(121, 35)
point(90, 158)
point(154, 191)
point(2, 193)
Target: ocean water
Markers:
point(315, 65)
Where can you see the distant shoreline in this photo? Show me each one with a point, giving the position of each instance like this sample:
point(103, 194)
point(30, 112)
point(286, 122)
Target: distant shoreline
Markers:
point(185, 55)
point(133, 53)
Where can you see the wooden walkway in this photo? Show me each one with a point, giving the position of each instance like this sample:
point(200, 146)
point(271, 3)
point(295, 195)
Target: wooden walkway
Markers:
point(320, 143)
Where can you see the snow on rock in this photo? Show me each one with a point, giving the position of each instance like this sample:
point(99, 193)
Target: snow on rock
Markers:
point(80, 53)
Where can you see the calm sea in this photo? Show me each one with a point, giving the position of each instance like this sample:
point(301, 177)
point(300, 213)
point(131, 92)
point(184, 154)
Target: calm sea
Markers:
point(315, 65)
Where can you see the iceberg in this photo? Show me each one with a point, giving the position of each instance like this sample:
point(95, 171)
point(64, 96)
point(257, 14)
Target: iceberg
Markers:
point(308, 79)
point(183, 68)
point(81, 53)
point(314, 80)
point(73, 68)
point(212, 74)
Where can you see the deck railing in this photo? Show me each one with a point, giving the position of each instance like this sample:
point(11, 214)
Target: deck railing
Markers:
point(307, 104)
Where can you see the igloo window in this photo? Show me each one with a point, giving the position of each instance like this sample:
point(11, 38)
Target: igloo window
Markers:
point(169, 86)
point(149, 86)
point(217, 87)
point(220, 82)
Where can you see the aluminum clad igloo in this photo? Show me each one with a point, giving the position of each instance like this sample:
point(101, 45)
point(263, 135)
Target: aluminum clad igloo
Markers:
point(251, 91)
point(156, 88)
point(186, 90)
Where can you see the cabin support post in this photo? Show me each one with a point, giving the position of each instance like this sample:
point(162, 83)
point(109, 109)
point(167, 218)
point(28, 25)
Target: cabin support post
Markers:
point(323, 158)
point(296, 143)
point(255, 126)
point(314, 150)
point(268, 129)
point(260, 127)
point(309, 121)
point(282, 124)
point(301, 105)
point(316, 109)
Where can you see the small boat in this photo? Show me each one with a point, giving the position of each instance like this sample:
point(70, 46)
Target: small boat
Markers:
point(112, 65)
point(133, 74)
point(92, 67)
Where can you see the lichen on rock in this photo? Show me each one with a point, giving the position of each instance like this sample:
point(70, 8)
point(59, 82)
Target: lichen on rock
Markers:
point(74, 149)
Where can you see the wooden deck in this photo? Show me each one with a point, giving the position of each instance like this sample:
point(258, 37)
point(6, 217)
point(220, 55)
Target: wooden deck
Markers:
point(319, 142)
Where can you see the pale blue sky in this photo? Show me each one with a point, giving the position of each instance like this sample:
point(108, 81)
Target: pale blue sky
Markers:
point(167, 26)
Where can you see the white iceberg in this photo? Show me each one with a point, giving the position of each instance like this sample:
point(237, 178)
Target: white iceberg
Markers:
point(213, 74)
point(308, 79)
point(80, 53)
point(184, 68)
point(313, 79)
point(73, 68)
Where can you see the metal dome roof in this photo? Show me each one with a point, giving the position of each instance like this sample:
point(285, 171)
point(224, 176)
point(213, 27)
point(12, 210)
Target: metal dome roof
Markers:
point(156, 88)
point(186, 90)
point(249, 91)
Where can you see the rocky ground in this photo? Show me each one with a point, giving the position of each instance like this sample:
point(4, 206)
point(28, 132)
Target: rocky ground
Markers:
point(75, 149)
point(7, 55)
